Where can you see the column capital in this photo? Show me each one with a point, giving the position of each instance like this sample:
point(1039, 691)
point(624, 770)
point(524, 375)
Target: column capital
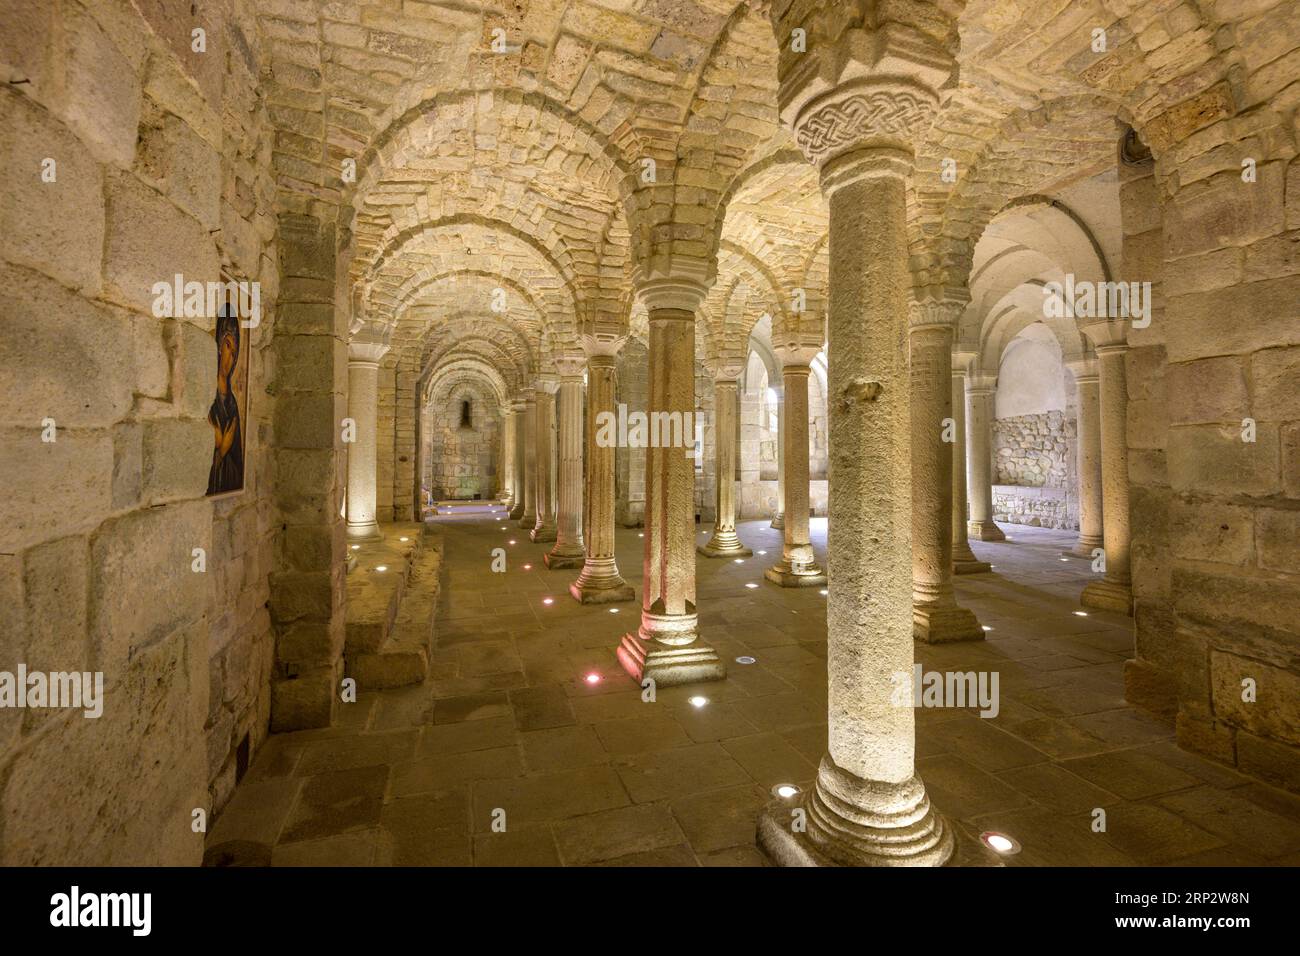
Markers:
point(981, 383)
point(570, 366)
point(794, 355)
point(1106, 335)
point(677, 283)
point(1083, 369)
point(603, 343)
point(366, 351)
point(547, 382)
point(518, 405)
point(937, 307)
point(962, 359)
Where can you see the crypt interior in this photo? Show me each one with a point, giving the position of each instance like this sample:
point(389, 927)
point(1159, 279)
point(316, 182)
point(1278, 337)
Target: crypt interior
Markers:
point(406, 582)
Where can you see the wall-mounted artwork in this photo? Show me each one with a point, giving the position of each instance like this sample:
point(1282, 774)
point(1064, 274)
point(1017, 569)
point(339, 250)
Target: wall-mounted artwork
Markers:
point(229, 410)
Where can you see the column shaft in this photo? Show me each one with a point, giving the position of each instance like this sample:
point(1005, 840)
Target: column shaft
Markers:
point(725, 543)
point(569, 550)
point(363, 409)
point(666, 649)
point(798, 566)
point(544, 528)
point(1115, 592)
point(963, 558)
point(979, 465)
point(518, 439)
point(1090, 482)
point(528, 519)
point(600, 582)
point(936, 616)
point(507, 458)
point(778, 519)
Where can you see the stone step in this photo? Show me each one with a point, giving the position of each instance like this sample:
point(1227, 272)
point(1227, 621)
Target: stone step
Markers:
point(402, 658)
point(374, 597)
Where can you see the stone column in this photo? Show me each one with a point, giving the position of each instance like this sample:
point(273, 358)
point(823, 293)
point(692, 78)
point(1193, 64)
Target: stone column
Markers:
point(517, 413)
point(778, 519)
point(1086, 379)
point(964, 560)
point(725, 543)
point(528, 519)
point(600, 582)
point(980, 389)
point(544, 528)
point(507, 457)
point(798, 566)
point(936, 616)
point(667, 648)
point(1115, 591)
point(363, 409)
point(569, 550)
point(857, 125)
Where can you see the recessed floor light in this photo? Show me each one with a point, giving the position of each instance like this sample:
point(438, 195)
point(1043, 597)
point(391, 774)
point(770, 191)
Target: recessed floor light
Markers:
point(785, 791)
point(1080, 613)
point(511, 541)
point(762, 552)
point(403, 539)
point(698, 701)
point(382, 567)
point(739, 560)
point(356, 547)
point(613, 610)
point(548, 600)
point(746, 659)
point(528, 567)
point(750, 584)
point(592, 678)
point(823, 592)
point(986, 627)
point(640, 534)
point(1000, 843)
point(1065, 560)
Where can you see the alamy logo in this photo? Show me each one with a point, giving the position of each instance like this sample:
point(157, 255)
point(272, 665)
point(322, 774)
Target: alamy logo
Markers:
point(74, 908)
point(1098, 300)
point(71, 689)
point(652, 430)
point(924, 688)
point(197, 300)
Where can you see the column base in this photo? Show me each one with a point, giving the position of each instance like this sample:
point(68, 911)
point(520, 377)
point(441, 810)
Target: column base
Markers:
point(612, 590)
point(882, 825)
point(668, 665)
point(945, 624)
point(808, 576)
point(1108, 596)
point(526, 520)
point(543, 535)
point(1084, 547)
point(724, 549)
point(364, 532)
point(778, 523)
point(971, 567)
point(560, 560)
point(984, 531)
point(516, 512)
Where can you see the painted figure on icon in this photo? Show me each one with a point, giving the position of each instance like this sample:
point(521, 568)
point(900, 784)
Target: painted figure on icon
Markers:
point(227, 473)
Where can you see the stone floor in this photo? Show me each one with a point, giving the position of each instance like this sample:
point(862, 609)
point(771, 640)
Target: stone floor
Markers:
point(586, 773)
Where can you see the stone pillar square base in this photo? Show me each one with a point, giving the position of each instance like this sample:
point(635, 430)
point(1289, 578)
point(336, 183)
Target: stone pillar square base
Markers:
point(812, 576)
point(541, 535)
point(585, 592)
point(525, 521)
point(1108, 596)
point(778, 523)
point(985, 531)
point(558, 562)
point(366, 532)
point(1084, 548)
point(710, 551)
point(667, 665)
point(970, 567)
point(945, 624)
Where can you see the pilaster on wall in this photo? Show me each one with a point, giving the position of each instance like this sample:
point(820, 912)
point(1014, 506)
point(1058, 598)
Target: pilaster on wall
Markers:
point(307, 589)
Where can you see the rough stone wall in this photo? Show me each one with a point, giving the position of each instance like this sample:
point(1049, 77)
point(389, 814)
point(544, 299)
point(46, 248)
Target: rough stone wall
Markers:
point(1036, 507)
point(1033, 450)
point(632, 390)
point(462, 462)
point(1216, 517)
point(160, 157)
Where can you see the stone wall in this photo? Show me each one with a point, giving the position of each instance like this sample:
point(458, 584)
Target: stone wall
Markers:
point(158, 159)
point(1036, 507)
point(461, 462)
point(1215, 505)
point(1033, 450)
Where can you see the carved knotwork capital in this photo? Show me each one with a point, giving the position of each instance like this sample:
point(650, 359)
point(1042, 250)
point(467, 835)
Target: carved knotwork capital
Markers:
point(938, 308)
point(884, 114)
